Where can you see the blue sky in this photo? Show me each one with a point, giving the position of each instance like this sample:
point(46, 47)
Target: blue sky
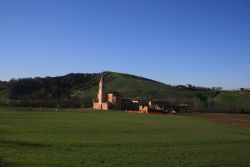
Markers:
point(202, 42)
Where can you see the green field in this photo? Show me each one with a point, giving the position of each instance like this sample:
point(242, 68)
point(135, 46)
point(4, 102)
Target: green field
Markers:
point(86, 138)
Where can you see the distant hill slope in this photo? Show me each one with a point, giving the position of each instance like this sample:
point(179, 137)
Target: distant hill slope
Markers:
point(4, 93)
point(134, 86)
point(75, 90)
point(232, 100)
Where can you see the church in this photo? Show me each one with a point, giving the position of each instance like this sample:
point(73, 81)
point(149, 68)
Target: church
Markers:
point(106, 100)
point(114, 101)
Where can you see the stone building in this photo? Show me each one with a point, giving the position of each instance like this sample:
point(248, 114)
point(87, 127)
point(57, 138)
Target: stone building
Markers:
point(106, 101)
point(143, 109)
point(114, 101)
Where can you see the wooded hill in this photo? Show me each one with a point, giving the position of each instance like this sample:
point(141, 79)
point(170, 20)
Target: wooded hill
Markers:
point(78, 90)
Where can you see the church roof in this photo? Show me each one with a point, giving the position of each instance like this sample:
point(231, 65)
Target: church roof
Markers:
point(114, 92)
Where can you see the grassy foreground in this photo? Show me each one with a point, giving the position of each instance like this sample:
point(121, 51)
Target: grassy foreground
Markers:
point(74, 139)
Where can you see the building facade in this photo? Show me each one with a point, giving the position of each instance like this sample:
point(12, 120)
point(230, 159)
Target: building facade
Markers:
point(113, 101)
point(106, 100)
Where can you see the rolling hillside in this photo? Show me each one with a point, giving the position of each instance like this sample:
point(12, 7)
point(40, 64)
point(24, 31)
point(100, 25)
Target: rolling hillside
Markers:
point(134, 86)
point(78, 90)
point(237, 99)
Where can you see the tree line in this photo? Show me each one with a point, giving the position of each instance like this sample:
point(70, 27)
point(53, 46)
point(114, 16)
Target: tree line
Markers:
point(50, 91)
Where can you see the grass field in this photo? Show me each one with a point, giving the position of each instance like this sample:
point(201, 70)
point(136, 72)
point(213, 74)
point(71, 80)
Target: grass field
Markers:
point(74, 139)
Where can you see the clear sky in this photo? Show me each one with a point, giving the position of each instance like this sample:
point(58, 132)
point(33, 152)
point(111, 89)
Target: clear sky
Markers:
point(202, 42)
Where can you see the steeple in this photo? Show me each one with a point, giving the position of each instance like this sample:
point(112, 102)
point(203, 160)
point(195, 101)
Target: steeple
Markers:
point(101, 92)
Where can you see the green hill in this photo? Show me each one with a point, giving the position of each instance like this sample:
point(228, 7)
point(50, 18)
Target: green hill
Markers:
point(78, 90)
point(234, 100)
point(134, 86)
point(4, 93)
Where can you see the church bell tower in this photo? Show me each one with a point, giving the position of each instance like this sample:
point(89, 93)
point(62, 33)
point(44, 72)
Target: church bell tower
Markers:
point(101, 92)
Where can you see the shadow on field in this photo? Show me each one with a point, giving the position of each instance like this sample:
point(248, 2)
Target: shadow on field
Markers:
point(3, 163)
point(23, 143)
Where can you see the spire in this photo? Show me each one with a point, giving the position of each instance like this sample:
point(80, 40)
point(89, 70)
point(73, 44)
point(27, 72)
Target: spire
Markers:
point(101, 92)
point(101, 83)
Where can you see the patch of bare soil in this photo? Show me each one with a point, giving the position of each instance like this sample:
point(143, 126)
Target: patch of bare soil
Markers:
point(241, 120)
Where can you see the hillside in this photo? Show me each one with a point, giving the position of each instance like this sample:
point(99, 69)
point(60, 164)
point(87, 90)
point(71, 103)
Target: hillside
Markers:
point(234, 100)
point(78, 90)
point(134, 86)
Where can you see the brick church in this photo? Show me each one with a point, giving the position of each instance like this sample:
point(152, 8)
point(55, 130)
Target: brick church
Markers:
point(106, 101)
point(114, 101)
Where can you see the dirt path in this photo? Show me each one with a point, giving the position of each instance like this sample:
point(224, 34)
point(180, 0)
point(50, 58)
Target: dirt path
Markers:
point(241, 120)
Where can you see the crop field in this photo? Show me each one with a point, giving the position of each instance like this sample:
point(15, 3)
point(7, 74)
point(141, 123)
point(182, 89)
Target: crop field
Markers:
point(87, 138)
point(240, 120)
